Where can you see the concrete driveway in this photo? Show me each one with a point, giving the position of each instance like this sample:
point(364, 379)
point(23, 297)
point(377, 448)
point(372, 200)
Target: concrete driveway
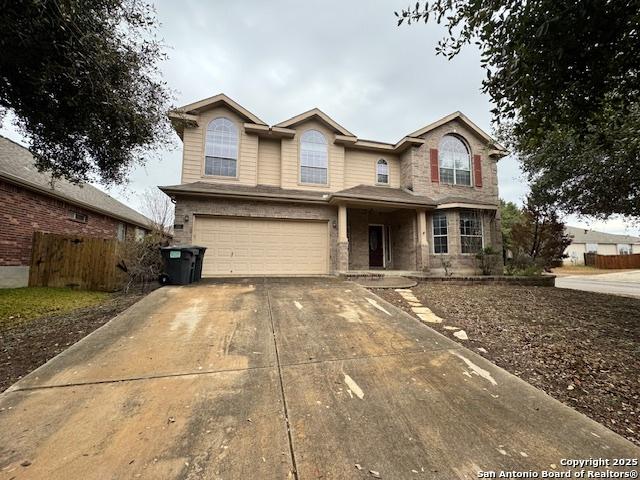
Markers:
point(626, 283)
point(281, 378)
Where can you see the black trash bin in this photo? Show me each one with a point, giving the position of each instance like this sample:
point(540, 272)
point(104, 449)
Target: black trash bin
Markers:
point(197, 271)
point(179, 264)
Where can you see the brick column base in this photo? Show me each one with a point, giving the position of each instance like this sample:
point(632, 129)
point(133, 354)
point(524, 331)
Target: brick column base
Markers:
point(422, 257)
point(343, 256)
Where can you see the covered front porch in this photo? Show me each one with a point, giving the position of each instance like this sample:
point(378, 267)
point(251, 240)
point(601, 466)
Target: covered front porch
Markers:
point(382, 238)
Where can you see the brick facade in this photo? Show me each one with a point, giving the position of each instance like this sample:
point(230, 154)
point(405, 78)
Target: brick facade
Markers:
point(416, 172)
point(23, 212)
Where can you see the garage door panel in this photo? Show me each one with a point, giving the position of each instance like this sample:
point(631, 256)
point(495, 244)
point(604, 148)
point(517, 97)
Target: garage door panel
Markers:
point(241, 246)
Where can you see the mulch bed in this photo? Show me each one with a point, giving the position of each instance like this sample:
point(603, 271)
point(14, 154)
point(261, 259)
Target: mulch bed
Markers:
point(582, 348)
point(25, 347)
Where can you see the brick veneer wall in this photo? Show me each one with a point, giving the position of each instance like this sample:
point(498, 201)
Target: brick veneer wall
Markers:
point(464, 263)
point(23, 211)
point(403, 237)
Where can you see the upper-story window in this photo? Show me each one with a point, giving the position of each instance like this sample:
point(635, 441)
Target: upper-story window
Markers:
point(313, 158)
point(382, 171)
point(455, 161)
point(221, 148)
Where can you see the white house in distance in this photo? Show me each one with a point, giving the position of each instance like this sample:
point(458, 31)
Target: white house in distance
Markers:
point(590, 241)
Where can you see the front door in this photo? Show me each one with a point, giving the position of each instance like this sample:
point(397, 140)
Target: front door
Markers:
point(376, 246)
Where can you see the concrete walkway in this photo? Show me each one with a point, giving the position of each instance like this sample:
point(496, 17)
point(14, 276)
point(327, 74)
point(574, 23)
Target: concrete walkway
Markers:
point(281, 378)
point(625, 283)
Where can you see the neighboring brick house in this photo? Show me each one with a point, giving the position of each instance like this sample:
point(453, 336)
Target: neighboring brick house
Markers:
point(306, 196)
point(29, 203)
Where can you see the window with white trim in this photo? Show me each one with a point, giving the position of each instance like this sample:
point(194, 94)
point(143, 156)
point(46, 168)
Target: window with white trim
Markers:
point(592, 248)
point(624, 249)
point(221, 148)
point(314, 158)
point(454, 160)
point(440, 241)
point(382, 172)
point(470, 231)
point(78, 216)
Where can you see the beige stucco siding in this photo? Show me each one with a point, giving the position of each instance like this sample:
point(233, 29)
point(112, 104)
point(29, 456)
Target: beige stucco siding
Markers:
point(193, 151)
point(291, 160)
point(269, 162)
point(360, 168)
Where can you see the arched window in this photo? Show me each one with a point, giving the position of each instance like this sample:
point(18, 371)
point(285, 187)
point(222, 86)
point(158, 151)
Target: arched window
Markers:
point(382, 171)
point(313, 158)
point(455, 161)
point(221, 148)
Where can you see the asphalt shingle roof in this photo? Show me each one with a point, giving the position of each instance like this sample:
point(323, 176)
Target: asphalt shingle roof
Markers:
point(584, 235)
point(17, 166)
point(386, 194)
point(246, 190)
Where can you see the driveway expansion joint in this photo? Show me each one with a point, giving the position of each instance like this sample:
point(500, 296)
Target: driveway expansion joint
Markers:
point(280, 380)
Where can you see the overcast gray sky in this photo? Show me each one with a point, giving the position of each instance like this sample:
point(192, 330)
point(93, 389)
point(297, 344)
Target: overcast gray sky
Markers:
point(280, 58)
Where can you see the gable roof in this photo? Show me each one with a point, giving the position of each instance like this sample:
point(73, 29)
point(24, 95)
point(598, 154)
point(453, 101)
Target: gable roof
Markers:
point(211, 102)
point(187, 115)
point(465, 120)
point(320, 115)
point(585, 235)
point(17, 167)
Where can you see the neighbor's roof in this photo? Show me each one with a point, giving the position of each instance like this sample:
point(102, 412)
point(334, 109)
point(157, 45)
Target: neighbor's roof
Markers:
point(17, 166)
point(584, 235)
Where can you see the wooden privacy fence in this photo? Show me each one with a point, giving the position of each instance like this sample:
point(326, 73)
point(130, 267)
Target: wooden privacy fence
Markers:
point(74, 261)
point(613, 262)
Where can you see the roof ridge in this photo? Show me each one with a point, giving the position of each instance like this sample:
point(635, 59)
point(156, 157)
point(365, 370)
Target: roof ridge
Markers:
point(19, 167)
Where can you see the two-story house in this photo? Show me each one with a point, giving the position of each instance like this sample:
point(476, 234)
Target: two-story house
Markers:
point(306, 196)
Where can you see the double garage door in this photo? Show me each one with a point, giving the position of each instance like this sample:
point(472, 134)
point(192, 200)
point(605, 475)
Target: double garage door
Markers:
point(241, 246)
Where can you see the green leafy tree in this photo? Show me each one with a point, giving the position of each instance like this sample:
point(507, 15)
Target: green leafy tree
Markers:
point(539, 234)
point(510, 214)
point(565, 81)
point(81, 78)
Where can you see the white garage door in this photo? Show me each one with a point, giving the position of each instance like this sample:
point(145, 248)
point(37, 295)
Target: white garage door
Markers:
point(240, 246)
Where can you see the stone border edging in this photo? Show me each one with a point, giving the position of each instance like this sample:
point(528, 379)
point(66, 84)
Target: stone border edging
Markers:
point(534, 281)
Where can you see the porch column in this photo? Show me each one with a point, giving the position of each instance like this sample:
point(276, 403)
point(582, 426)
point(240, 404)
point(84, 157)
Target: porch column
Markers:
point(422, 248)
point(343, 241)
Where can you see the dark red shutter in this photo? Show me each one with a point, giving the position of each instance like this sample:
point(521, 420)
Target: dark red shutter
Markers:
point(435, 169)
point(477, 170)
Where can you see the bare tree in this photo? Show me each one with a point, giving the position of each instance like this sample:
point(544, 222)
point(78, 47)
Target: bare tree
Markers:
point(159, 208)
